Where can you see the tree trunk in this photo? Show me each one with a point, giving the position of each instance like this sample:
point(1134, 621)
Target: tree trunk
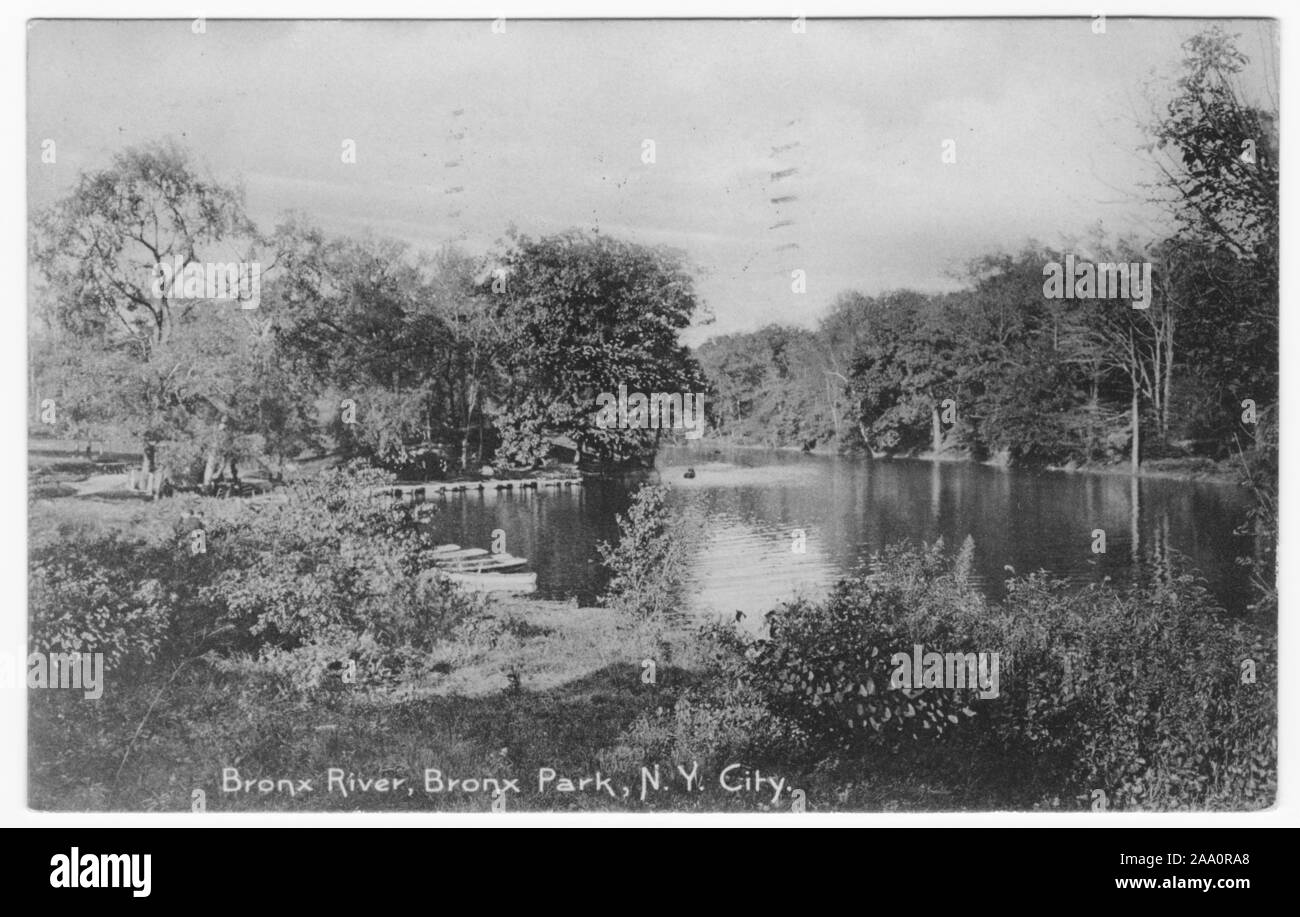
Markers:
point(835, 414)
point(1137, 425)
point(1157, 384)
point(146, 463)
point(210, 468)
point(1135, 521)
point(1169, 374)
point(1095, 441)
point(1135, 382)
point(936, 430)
point(471, 401)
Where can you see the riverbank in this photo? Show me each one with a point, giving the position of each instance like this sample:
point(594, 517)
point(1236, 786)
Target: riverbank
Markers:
point(559, 705)
point(583, 708)
point(1192, 469)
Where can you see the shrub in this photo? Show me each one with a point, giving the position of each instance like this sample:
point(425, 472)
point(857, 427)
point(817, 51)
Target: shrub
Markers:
point(99, 595)
point(332, 571)
point(1139, 693)
point(1142, 692)
point(650, 560)
point(711, 731)
point(719, 722)
point(828, 667)
point(333, 555)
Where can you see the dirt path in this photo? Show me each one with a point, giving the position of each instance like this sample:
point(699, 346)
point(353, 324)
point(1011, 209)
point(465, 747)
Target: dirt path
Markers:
point(98, 484)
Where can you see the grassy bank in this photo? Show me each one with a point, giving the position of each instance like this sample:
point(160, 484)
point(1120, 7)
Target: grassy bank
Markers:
point(304, 651)
point(555, 688)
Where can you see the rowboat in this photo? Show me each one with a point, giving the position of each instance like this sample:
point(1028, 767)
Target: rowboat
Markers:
point(495, 582)
point(462, 554)
point(497, 563)
point(446, 548)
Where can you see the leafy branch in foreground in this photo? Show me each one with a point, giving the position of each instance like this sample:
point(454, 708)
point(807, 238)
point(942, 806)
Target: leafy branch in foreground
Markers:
point(650, 559)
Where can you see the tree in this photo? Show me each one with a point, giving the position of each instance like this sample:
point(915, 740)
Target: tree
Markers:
point(584, 314)
point(1217, 151)
point(461, 291)
point(98, 251)
point(773, 385)
point(906, 369)
point(354, 316)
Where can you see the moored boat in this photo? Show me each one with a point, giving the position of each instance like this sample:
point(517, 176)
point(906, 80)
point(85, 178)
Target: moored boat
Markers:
point(442, 557)
point(492, 562)
point(494, 582)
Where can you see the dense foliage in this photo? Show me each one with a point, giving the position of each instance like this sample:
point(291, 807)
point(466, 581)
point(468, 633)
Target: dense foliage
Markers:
point(423, 364)
point(999, 370)
point(334, 573)
point(1142, 697)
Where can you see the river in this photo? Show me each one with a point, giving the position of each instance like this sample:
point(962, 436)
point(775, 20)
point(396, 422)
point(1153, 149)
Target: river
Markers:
point(755, 501)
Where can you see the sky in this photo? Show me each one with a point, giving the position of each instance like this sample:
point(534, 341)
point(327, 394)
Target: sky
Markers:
point(461, 131)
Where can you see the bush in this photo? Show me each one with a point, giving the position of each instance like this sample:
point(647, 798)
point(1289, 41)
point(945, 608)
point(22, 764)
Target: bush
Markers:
point(828, 666)
point(719, 722)
point(332, 571)
point(650, 560)
point(1140, 693)
point(99, 595)
point(700, 728)
point(332, 556)
point(1143, 693)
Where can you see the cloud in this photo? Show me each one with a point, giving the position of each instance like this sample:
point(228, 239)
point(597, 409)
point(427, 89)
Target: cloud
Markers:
point(552, 117)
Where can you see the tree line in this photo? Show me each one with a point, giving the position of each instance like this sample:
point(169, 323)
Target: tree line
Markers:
point(1000, 370)
point(421, 362)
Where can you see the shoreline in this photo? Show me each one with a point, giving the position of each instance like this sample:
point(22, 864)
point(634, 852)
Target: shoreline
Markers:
point(1221, 473)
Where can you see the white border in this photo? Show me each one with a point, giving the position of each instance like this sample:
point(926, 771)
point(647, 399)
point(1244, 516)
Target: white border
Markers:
point(13, 745)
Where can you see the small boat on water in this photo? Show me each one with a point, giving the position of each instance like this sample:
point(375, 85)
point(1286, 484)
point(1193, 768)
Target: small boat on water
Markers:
point(498, 563)
point(479, 571)
point(442, 557)
point(494, 582)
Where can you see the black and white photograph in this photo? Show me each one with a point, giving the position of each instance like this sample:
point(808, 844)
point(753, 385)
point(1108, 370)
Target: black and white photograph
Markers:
point(630, 417)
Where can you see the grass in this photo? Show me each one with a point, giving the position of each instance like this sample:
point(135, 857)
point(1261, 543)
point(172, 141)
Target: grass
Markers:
point(576, 691)
point(575, 728)
point(534, 688)
point(549, 685)
point(577, 688)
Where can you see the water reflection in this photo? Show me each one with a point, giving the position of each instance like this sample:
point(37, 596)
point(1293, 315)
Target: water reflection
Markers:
point(753, 502)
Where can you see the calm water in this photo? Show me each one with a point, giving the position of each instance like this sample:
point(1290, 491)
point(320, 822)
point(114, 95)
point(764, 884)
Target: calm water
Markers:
point(850, 508)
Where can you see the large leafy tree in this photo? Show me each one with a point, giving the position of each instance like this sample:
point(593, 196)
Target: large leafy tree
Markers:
point(353, 316)
point(1029, 387)
point(459, 291)
point(583, 315)
point(96, 252)
point(905, 370)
